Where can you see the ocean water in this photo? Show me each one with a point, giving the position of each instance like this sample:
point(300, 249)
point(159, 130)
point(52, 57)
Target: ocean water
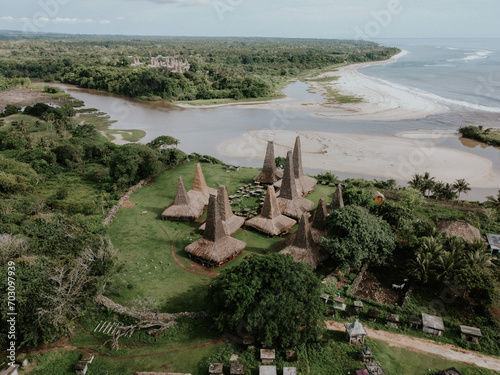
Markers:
point(461, 73)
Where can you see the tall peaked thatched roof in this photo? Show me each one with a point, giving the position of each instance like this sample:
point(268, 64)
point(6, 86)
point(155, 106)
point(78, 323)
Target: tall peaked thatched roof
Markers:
point(320, 215)
point(338, 201)
point(215, 247)
point(459, 228)
point(290, 202)
point(230, 221)
point(200, 189)
point(183, 207)
point(269, 174)
point(271, 221)
point(305, 183)
point(303, 248)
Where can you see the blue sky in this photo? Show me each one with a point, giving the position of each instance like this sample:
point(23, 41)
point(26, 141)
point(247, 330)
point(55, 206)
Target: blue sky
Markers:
point(366, 19)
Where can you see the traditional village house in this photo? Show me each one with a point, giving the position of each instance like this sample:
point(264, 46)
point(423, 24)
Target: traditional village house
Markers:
point(289, 370)
point(216, 247)
point(81, 367)
point(318, 222)
point(289, 202)
point(303, 248)
point(267, 356)
point(432, 324)
point(230, 221)
point(183, 208)
point(392, 320)
point(471, 334)
point(271, 222)
point(494, 242)
point(449, 371)
point(267, 370)
point(338, 200)
point(216, 369)
point(355, 333)
point(269, 174)
point(459, 228)
point(200, 190)
point(237, 369)
point(305, 183)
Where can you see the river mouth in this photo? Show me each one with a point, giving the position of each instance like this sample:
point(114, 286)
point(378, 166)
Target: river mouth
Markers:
point(206, 130)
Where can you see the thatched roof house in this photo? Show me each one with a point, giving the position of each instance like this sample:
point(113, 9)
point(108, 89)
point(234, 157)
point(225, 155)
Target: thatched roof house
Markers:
point(215, 248)
point(318, 229)
point(289, 202)
point(230, 221)
point(269, 174)
point(303, 248)
point(271, 221)
point(459, 228)
point(306, 183)
point(200, 190)
point(183, 208)
point(494, 242)
point(338, 200)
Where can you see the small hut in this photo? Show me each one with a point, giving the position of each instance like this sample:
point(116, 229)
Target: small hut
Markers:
point(81, 367)
point(230, 221)
point(183, 207)
point(237, 369)
point(305, 183)
point(271, 222)
point(318, 222)
point(200, 191)
point(289, 370)
point(414, 321)
point(355, 333)
point(366, 355)
point(358, 305)
point(10, 370)
point(392, 320)
point(432, 324)
point(267, 356)
point(216, 369)
point(459, 228)
point(339, 303)
point(291, 356)
point(494, 242)
point(449, 371)
point(303, 248)
point(338, 200)
point(216, 247)
point(269, 174)
point(471, 334)
point(290, 203)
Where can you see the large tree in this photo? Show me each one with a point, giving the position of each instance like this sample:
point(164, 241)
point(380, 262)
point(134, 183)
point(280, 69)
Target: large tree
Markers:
point(270, 297)
point(355, 236)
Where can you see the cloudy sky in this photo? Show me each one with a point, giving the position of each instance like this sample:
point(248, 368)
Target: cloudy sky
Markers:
point(367, 19)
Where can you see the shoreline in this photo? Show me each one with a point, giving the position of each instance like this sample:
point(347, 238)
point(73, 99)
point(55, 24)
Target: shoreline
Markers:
point(396, 157)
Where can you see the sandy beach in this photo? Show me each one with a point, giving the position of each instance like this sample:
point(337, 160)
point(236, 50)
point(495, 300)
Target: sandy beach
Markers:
point(382, 100)
point(397, 157)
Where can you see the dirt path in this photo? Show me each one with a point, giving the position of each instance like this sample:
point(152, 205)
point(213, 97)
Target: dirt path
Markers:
point(425, 346)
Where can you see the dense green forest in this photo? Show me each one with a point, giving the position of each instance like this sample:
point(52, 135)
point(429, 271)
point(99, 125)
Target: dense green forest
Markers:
point(235, 68)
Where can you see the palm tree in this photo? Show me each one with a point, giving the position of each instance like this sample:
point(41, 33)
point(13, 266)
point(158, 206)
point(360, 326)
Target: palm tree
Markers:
point(493, 202)
point(428, 183)
point(416, 182)
point(420, 267)
point(461, 186)
point(446, 265)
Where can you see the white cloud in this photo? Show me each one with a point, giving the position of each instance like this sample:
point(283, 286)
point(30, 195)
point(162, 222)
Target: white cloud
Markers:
point(178, 2)
point(44, 20)
point(104, 22)
point(8, 18)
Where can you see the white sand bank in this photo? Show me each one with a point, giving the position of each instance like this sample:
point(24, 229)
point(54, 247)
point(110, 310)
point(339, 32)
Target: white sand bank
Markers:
point(397, 157)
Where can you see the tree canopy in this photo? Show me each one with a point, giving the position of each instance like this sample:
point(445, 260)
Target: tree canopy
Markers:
point(356, 236)
point(270, 297)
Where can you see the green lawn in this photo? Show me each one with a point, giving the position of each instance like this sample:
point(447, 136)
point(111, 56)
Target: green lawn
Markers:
point(145, 241)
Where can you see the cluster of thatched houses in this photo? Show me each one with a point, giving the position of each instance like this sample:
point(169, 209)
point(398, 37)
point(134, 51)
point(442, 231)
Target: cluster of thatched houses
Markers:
point(284, 206)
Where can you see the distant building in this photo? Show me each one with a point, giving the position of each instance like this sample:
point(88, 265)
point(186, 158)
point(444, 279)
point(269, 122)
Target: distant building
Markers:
point(267, 370)
point(216, 369)
point(471, 334)
point(459, 228)
point(494, 242)
point(355, 333)
point(10, 370)
point(267, 356)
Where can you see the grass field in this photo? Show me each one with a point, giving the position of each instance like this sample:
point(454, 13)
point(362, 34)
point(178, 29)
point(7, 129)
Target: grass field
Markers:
point(146, 242)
